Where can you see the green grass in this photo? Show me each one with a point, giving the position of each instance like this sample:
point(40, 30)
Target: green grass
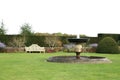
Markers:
point(22, 66)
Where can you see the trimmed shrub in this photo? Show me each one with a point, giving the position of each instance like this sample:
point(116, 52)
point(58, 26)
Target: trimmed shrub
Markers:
point(107, 45)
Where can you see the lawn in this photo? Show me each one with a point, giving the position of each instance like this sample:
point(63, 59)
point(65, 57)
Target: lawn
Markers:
point(33, 66)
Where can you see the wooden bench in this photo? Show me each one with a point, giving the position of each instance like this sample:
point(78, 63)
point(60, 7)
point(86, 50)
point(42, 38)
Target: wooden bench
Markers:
point(35, 48)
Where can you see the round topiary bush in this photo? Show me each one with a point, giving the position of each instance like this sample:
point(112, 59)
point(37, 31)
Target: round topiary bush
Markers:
point(107, 45)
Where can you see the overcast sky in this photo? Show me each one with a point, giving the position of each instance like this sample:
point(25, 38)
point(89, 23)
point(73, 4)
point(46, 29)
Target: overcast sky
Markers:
point(88, 17)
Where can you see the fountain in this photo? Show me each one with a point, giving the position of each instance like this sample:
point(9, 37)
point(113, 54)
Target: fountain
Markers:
point(78, 59)
point(78, 46)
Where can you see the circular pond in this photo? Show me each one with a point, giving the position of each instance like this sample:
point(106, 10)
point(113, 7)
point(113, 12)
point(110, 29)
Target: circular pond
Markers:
point(83, 59)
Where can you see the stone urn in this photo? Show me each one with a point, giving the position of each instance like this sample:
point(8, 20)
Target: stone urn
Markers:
point(78, 46)
point(78, 50)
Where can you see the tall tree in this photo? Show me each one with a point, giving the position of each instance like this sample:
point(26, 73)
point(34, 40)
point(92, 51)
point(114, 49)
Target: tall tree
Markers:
point(26, 29)
point(2, 29)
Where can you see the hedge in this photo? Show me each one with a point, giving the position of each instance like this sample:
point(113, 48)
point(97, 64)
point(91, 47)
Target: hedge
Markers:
point(33, 39)
point(108, 45)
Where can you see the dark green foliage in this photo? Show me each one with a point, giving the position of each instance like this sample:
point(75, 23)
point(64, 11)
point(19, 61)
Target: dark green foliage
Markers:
point(107, 45)
point(35, 40)
point(114, 36)
point(64, 39)
point(26, 29)
point(93, 40)
point(6, 39)
point(2, 29)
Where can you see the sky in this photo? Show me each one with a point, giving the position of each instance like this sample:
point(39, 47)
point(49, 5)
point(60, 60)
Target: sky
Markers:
point(88, 17)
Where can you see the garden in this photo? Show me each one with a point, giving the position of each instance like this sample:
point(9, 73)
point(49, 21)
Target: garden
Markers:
point(22, 66)
point(16, 64)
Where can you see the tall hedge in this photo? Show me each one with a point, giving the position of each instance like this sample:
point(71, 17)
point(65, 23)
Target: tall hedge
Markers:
point(116, 37)
point(6, 39)
point(107, 45)
point(35, 40)
point(32, 39)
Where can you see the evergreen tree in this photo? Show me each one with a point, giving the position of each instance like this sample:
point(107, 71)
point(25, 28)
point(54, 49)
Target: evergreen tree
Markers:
point(2, 29)
point(26, 29)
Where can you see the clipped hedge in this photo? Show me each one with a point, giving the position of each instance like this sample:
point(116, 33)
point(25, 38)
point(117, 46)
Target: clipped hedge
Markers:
point(107, 45)
point(93, 40)
point(32, 39)
point(6, 38)
point(116, 37)
point(35, 40)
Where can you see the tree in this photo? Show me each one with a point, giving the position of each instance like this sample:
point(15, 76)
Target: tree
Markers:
point(53, 41)
point(107, 45)
point(26, 29)
point(2, 29)
point(17, 42)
